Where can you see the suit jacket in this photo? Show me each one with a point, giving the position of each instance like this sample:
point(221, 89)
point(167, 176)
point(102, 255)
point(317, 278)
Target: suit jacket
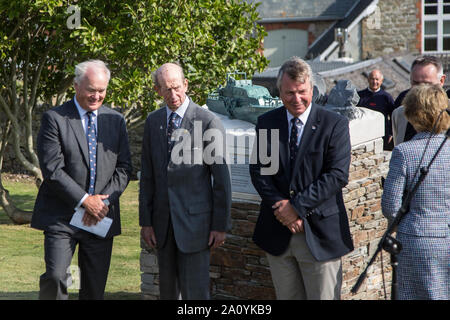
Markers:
point(64, 160)
point(314, 185)
point(196, 196)
point(429, 211)
point(399, 124)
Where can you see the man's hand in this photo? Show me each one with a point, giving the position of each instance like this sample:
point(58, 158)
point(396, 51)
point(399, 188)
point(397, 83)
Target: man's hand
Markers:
point(285, 212)
point(148, 234)
point(95, 209)
point(296, 226)
point(216, 239)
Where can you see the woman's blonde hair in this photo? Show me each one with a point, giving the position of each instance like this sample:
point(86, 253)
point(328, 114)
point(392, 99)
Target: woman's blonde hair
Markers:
point(423, 105)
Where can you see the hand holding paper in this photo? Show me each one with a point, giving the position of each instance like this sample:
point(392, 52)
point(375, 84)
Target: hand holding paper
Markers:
point(101, 228)
point(96, 209)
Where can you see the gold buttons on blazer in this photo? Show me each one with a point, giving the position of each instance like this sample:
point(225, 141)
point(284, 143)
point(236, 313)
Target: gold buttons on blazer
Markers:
point(292, 193)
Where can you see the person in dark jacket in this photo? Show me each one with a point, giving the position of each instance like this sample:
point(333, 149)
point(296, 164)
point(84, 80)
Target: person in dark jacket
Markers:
point(376, 98)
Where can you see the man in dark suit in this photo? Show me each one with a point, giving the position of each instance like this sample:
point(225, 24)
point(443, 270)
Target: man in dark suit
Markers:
point(85, 160)
point(184, 200)
point(303, 224)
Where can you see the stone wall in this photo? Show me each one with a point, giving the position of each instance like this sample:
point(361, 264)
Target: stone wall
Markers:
point(239, 269)
point(394, 27)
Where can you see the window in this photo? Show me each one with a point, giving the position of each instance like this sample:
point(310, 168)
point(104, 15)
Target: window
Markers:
point(436, 26)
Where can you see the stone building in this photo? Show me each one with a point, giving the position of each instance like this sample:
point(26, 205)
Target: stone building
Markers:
point(374, 28)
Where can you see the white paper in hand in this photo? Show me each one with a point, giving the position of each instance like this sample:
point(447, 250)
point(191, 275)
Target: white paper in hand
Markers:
point(100, 229)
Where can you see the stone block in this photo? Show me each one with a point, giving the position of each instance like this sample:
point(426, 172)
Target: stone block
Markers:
point(227, 258)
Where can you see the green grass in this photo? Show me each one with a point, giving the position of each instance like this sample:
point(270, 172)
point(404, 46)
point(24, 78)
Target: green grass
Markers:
point(22, 250)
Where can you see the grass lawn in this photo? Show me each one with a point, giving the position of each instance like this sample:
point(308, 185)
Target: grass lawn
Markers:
point(22, 250)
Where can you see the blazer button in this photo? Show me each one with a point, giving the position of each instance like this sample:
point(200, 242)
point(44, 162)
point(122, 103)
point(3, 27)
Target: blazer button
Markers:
point(292, 193)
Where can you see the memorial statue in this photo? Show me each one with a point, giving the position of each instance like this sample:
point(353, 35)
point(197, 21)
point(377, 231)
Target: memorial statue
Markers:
point(343, 99)
point(240, 99)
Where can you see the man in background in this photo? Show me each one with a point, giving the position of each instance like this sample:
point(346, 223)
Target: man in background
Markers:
point(425, 69)
point(376, 98)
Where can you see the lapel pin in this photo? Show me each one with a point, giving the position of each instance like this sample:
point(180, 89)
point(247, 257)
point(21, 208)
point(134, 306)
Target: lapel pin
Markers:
point(313, 127)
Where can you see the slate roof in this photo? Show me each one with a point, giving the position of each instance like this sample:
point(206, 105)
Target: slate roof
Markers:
point(328, 37)
point(395, 69)
point(303, 9)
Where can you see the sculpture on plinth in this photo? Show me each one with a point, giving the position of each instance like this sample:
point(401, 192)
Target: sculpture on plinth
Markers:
point(343, 99)
point(240, 99)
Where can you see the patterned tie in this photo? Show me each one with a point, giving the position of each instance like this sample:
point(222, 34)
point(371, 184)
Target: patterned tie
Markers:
point(92, 145)
point(174, 123)
point(293, 142)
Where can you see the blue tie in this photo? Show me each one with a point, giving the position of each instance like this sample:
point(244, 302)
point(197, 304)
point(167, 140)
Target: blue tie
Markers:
point(92, 145)
point(293, 142)
point(174, 123)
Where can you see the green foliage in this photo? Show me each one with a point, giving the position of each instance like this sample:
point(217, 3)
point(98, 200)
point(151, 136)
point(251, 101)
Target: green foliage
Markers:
point(22, 250)
point(207, 37)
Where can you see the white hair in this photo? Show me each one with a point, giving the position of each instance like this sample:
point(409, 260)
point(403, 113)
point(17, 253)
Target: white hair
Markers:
point(81, 69)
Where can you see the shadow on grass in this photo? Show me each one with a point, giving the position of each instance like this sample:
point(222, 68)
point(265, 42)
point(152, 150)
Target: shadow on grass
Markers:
point(24, 202)
point(34, 295)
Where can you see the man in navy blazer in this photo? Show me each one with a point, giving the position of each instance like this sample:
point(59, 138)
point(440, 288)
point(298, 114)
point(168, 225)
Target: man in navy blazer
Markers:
point(66, 163)
point(303, 224)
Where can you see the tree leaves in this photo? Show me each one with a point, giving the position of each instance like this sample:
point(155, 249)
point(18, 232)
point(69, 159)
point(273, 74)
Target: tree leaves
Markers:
point(207, 37)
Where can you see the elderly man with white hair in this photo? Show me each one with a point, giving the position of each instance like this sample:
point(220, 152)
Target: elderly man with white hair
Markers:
point(85, 159)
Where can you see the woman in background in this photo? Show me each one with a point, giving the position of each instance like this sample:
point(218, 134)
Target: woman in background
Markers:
point(424, 262)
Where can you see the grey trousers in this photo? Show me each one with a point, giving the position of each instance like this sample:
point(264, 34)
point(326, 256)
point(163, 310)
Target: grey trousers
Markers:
point(297, 275)
point(94, 256)
point(182, 275)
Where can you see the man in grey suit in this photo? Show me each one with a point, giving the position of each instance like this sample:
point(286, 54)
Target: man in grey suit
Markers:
point(425, 69)
point(184, 200)
point(85, 160)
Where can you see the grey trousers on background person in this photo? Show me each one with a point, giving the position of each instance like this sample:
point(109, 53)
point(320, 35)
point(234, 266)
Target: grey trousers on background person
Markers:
point(182, 273)
point(297, 275)
point(94, 257)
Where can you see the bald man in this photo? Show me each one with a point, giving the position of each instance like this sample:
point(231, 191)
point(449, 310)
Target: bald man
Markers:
point(184, 206)
point(375, 98)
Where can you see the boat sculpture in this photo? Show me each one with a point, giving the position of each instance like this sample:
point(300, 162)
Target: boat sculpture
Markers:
point(240, 99)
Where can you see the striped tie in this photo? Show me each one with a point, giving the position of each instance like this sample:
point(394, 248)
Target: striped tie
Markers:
point(92, 145)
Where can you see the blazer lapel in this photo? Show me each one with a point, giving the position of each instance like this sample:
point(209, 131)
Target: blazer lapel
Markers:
point(77, 127)
point(284, 142)
point(161, 133)
point(102, 137)
point(188, 118)
point(309, 130)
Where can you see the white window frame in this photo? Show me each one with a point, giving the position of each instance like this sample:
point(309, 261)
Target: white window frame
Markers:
point(439, 17)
